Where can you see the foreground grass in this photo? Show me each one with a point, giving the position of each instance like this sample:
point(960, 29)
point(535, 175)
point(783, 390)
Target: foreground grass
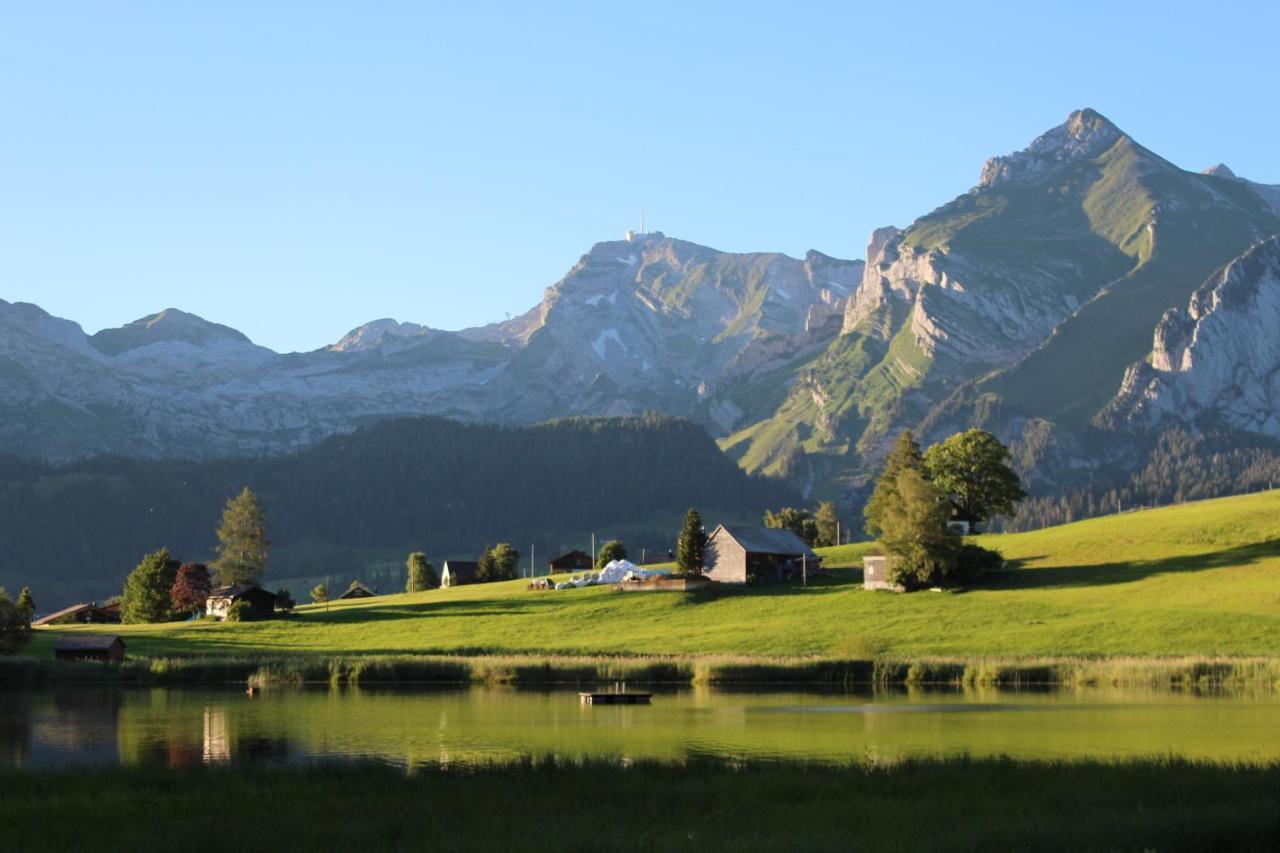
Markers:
point(956, 805)
point(1198, 579)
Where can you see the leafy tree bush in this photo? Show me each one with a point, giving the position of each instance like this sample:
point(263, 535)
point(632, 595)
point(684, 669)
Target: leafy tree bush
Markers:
point(610, 551)
point(798, 521)
point(914, 532)
point(284, 601)
point(15, 627)
point(692, 545)
point(319, 593)
point(973, 562)
point(503, 564)
point(419, 573)
point(148, 589)
point(973, 469)
point(26, 604)
point(191, 588)
point(241, 611)
point(905, 454)
point(242, 541)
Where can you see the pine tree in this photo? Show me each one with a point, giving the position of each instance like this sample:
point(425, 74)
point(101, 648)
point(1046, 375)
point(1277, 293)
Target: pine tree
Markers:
point(242, 542)
point(827, 521)
point(692, 544)
point(148, 589)
point(905, 454)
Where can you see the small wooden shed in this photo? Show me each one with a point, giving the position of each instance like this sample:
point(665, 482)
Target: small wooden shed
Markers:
point(105, 648)
point(757, 555)
point(458, 572)
point(573, 561)
point(875, 573)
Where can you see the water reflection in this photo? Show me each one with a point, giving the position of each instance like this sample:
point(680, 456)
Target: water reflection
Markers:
point(71, 726)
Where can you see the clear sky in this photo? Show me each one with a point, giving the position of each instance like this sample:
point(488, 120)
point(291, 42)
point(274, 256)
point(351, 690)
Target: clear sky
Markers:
point(294, 170)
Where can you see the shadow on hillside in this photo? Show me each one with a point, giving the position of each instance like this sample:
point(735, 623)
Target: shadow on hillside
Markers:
point(1019, 576)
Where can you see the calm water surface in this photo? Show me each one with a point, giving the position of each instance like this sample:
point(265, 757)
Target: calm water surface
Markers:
point(82, 725)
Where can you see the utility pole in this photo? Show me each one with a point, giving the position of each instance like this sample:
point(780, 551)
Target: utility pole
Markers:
point(593, 549)
point(533, 561)
point(804, 570)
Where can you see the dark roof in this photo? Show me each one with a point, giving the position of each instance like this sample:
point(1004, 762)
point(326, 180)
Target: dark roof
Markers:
point(66, 611)
point(87, 642)
point(357, 590)
point(461, 569)
point(234, 592)
point(768, 540)
point(574, 555)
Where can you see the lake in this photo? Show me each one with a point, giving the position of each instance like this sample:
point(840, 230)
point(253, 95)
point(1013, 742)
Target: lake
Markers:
point(64, 726)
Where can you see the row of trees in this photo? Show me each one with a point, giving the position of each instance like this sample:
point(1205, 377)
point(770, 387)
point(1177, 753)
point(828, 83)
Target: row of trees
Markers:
point(917, 494)
point(819, 528)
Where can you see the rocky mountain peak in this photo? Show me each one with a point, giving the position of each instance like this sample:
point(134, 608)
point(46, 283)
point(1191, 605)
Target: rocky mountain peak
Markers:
point(169, 325)
point(378, 333)
point(1221, 170)
point(1085, 134)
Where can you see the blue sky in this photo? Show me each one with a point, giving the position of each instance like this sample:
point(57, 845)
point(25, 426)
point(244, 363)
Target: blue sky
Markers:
point(294, 170)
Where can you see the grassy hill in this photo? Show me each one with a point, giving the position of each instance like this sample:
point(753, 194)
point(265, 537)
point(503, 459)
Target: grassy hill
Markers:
point(1194, 579)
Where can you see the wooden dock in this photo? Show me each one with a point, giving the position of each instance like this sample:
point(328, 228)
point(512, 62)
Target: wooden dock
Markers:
point(615, 698)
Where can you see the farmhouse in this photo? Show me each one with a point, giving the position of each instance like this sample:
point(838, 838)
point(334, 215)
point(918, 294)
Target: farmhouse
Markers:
point(458, 572)
point(82, 614)
point(262, 604)
point(108, 648)
point(757, 555)
point(574, 561)
point(357, 590)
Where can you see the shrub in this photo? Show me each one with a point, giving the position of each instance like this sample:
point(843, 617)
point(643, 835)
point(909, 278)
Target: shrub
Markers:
point(241, 611)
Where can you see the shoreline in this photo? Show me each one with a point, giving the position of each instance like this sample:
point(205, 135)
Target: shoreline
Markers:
point(258, 671)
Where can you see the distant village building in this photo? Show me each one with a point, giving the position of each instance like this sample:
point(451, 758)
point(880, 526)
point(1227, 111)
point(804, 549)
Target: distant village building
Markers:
point(875, 574)
point(357, 590)
point(458, 572)
point(574, 561)
point(757, 555)
point(81, 614)
point(109, 648)
point(262, 604)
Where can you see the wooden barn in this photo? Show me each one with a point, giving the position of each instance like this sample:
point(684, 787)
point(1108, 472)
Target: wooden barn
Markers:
point(757, 555)
point(262, 604)
point(357, 590)
point(81, 614)
point(106, 648)
point(458, 572)
point(574, 561)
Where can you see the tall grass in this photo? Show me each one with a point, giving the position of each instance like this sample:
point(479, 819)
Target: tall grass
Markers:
point(554, 804)
point(266, 671)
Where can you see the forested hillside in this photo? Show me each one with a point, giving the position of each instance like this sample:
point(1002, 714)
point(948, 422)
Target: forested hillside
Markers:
point(413, 484)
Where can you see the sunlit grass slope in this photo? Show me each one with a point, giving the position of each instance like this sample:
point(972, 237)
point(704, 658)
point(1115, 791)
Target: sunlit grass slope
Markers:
point(1195, 579)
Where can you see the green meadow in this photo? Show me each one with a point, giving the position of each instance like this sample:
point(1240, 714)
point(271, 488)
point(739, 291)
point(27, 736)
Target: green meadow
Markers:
point(1197, 579)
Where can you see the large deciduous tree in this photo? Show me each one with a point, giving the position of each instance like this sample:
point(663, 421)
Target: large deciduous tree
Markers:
point(242, 541)
point(26, 605)
point(148, 589)
point(973, 469)
point(692, 545)
point(191, 588)
point(798, 521)
point(419, 573)
point(610, 551)
point(904, 454)
point(914, 533)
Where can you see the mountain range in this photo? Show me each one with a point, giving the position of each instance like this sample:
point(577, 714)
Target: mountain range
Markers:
point(1085, 294)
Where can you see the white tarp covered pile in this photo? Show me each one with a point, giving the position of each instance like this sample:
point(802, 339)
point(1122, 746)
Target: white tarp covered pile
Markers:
point(625, 570)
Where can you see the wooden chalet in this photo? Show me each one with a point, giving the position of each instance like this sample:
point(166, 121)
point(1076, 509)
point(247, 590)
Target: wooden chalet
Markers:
point(757, 555)
point(81, 614)
point(105, 648)
point(458, 572)
point(573, 561)
point(262, 604)
point(357, 590)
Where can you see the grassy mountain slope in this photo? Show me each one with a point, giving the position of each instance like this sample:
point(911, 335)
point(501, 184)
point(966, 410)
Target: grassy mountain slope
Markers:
point(1197, 579)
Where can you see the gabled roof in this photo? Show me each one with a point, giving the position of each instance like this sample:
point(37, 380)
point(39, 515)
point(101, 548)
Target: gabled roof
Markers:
point(460, 569)
point(234, 592)
point(64, 612)
point(575, 554)
point(767, 540)
point(357, 590)
point(87, 642)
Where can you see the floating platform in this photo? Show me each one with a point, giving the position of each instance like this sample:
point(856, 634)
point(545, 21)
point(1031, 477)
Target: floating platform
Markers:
point(615, 698)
